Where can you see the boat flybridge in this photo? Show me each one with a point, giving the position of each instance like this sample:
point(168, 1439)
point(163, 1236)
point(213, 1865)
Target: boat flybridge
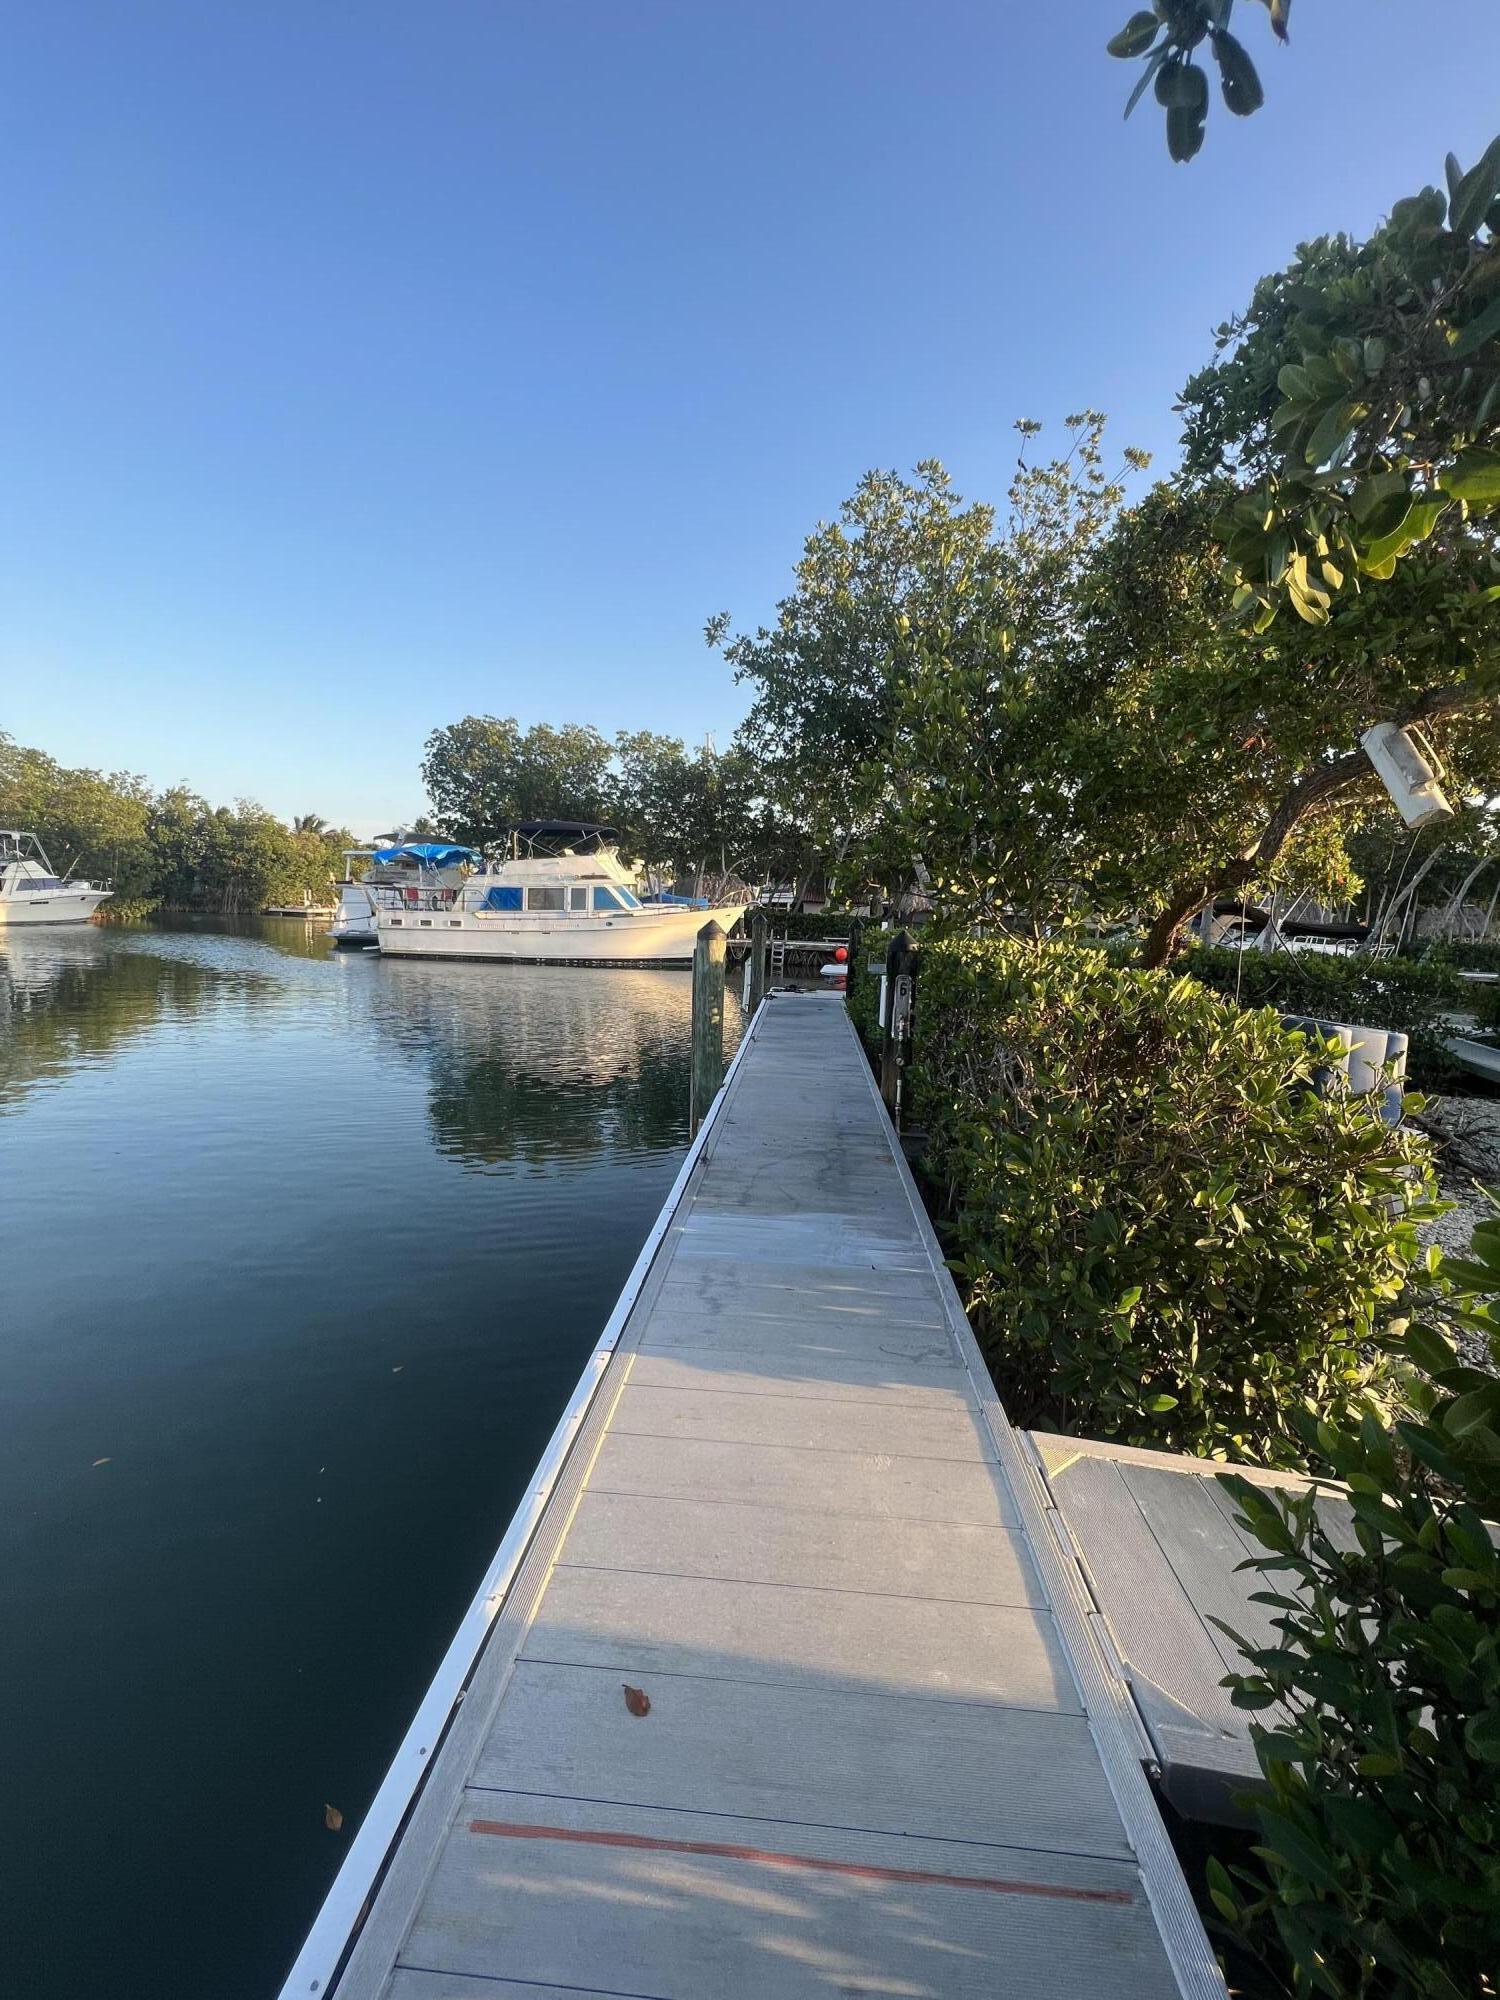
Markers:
point(559, 895)
point(31, 893)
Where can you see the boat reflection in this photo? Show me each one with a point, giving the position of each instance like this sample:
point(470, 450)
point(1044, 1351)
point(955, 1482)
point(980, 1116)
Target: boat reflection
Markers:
point(541, 1063)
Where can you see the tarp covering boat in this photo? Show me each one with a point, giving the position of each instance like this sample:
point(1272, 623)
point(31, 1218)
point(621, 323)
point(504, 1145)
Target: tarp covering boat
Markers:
point(426, 854)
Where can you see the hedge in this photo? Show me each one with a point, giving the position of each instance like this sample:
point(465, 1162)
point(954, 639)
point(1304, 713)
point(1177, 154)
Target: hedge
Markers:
point(1410, 994)
point(1380, 1831)
point(804, 924)
point(1468, 954)
point(1163, 1235)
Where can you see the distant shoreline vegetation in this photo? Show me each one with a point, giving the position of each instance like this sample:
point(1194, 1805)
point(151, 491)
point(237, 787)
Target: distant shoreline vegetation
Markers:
point(167, 850)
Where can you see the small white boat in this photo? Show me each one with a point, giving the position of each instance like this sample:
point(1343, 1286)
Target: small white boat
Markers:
point(306, 908)
point(30, 893)
point(560, 896)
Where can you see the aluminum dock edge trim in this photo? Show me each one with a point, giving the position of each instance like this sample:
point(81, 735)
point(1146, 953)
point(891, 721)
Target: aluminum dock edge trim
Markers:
point(1112, 1719)
point(352, 1890)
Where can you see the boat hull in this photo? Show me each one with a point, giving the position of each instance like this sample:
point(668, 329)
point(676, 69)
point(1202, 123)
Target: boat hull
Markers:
point(643, 938)
point(59, 907)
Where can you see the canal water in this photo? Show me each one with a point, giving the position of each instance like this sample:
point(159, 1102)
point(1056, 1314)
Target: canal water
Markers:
point(302, 1255)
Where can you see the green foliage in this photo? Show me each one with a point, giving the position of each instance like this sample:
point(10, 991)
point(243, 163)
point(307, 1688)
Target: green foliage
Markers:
point(906, 568)
point(92, 824)
point(1380, 1837)
point(1468, 954)
point(1167, 39)
point(165, 848)
point(862, 993)
point(995, 739)
point(1409, 994)
point(486, 771)
point(694, 813)
point(805, 923)
point(1163, 1235)
point(1358, 405)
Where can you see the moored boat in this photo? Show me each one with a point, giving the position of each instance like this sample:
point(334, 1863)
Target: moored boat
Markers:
point(31, 893)
point(560, 895)
point(353, 926)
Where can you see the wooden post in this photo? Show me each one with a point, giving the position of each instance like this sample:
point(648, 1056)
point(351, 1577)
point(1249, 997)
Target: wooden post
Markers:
point(760, 946)
point(708, 1023)
point(900, 986)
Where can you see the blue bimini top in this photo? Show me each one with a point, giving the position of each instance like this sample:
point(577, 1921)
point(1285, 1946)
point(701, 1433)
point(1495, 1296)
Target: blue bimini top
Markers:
point(427, 854)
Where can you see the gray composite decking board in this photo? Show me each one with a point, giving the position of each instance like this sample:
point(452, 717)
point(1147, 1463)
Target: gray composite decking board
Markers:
point(1158, 1538)
point(691, 1924)
point(792, 1337)
point(884, 1762)
point(1173, 1655)
point(754, 1301)
point(945, 1649)
point(869, 1485)
point(909, 1385)
point(701, 1412)
point(866, 1767)
point(981, 1563)
point(717, 1281)
point(407, 1984)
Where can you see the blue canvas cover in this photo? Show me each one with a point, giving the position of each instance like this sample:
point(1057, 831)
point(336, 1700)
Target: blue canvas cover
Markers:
point(503, 899)
point(426, 853)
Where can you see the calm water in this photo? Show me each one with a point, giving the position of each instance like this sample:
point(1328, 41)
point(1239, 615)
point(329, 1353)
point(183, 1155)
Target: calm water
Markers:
point(310, 1249)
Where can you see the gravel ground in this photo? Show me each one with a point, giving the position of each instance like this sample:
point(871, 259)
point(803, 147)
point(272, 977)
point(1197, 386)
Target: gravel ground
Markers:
point(1465, 1132)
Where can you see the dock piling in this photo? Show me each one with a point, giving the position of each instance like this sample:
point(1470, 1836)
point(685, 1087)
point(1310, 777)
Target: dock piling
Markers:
point(708, 1023)
point(895, 1039)
point(760, 945)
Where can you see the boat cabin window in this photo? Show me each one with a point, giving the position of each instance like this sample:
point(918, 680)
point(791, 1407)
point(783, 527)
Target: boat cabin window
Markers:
point(613, 899)
point(34, 882)
point(578, 898)
point(544, 899)
point(506, 898)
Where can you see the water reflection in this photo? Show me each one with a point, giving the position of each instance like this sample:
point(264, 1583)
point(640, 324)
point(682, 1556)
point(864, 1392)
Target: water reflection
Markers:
point(345, 1231)
point(71, 996)
point(538, 1063)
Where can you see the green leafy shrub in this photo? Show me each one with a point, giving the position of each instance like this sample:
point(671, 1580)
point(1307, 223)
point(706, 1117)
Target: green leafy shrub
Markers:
point(804, 924)
point(1410, 994)
point(1467, 954)
point(1164, 1236)
point(1484, 1005)
point(1380, 1833)
point(862, 995)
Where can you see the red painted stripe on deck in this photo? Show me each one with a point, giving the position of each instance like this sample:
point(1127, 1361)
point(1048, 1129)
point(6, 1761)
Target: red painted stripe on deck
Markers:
point(721, 1850)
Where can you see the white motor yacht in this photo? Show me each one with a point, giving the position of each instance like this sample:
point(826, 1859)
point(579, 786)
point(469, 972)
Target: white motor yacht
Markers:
point(559, 896)
point(30, 892)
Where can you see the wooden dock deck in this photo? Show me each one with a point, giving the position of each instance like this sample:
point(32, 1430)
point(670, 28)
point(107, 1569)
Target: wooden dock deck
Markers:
point(787, 1688)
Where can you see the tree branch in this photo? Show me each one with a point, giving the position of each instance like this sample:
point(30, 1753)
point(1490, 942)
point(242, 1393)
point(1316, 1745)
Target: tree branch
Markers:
point(1314, 788)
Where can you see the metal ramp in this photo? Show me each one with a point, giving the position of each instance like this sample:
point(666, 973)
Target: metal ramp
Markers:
point(1479, 1058)
point(789, 1690)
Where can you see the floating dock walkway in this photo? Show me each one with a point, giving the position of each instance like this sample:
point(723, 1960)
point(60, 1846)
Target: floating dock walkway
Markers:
point(785, 1684)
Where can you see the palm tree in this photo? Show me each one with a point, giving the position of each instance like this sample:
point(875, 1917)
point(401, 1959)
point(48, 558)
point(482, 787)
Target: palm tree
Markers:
point(309, 823)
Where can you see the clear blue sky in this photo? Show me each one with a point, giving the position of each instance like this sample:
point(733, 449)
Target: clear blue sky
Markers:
point(363, 364)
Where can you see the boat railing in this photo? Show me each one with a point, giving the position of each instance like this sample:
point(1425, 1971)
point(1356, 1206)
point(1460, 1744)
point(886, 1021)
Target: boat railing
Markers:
point(390, 898)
